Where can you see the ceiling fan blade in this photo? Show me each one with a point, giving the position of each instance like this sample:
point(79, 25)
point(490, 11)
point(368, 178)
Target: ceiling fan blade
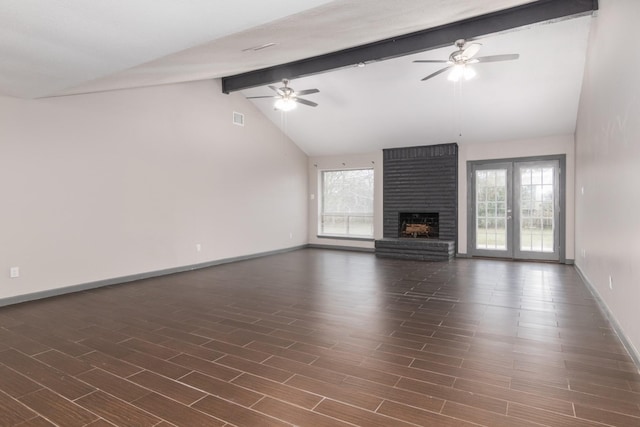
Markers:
point(471, 50)
point(431, 61)
point(307, 92)
point(442, 70)
point(305, 102)
point(497, 58)
point(256, 97)
point(276, 90)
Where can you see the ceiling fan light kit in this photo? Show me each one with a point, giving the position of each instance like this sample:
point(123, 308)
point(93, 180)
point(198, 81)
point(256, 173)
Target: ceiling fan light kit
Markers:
point(461, 71)
point(285, 104)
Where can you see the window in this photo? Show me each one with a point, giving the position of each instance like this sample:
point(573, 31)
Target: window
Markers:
point(347, 203)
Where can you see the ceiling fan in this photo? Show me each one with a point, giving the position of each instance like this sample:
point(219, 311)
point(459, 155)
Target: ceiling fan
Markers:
point(459, 59)
point(287, 98)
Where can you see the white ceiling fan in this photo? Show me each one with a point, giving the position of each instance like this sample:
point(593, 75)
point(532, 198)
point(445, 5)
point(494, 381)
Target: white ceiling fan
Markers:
point(460, 60)
point(287, 98)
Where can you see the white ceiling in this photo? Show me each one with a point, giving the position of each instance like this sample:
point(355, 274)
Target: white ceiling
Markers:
point(49, 47)
point(63, 47)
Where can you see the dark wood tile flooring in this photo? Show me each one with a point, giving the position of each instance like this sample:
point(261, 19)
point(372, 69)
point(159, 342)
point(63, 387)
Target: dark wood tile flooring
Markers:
point(321, 338)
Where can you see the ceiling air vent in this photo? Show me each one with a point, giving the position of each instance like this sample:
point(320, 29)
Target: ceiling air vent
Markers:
point(238, 119)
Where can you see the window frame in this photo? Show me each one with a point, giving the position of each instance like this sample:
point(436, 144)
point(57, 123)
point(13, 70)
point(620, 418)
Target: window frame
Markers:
point(321, 203)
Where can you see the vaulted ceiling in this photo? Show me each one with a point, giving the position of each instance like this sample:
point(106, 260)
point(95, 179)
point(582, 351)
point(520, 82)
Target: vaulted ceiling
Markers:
point(385, 104)
point(66, 47)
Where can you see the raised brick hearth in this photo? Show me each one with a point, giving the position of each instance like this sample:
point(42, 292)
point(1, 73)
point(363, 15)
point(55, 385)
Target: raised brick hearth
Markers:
point(420, 249)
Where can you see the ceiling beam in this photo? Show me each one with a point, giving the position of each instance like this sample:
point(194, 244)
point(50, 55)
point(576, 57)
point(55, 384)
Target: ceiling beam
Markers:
point(432, 38)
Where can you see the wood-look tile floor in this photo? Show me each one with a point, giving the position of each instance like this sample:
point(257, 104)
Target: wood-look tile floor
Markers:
point(321, 338)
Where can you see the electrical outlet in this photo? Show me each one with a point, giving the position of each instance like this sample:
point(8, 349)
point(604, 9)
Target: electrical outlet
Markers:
point(198, 247)
point(610, 283)
point(290, 235)
point(584, 253)
point(14, 272)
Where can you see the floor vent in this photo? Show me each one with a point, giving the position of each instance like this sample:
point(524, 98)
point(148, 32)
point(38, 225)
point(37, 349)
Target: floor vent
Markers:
point(238, 119)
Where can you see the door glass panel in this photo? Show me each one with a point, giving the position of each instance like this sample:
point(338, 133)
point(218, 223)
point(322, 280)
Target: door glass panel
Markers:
point(491, 209)
point(537, 214)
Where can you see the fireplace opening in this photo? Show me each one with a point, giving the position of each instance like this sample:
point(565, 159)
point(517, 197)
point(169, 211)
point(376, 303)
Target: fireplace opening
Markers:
point(419, 225)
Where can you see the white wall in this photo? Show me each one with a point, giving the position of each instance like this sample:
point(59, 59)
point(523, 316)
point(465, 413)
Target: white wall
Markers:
point(608, 164)
point(357, 161)
point(106, 185)
point(512, 149)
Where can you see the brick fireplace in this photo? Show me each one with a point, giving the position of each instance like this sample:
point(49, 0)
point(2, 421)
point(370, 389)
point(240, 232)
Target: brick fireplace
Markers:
point(420, 202)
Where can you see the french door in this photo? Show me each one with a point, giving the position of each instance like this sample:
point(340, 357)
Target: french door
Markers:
point(515, 209)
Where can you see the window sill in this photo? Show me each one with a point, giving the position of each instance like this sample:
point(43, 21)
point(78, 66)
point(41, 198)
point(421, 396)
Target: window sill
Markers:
point(360, 239)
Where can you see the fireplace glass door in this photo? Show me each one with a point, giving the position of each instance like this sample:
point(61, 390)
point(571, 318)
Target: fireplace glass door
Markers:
point(515, 210)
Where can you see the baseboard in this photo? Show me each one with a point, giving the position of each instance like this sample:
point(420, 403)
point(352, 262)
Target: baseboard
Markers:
point(131, 278)
point(566, 261)
point(628, 345)
point(341, 248)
